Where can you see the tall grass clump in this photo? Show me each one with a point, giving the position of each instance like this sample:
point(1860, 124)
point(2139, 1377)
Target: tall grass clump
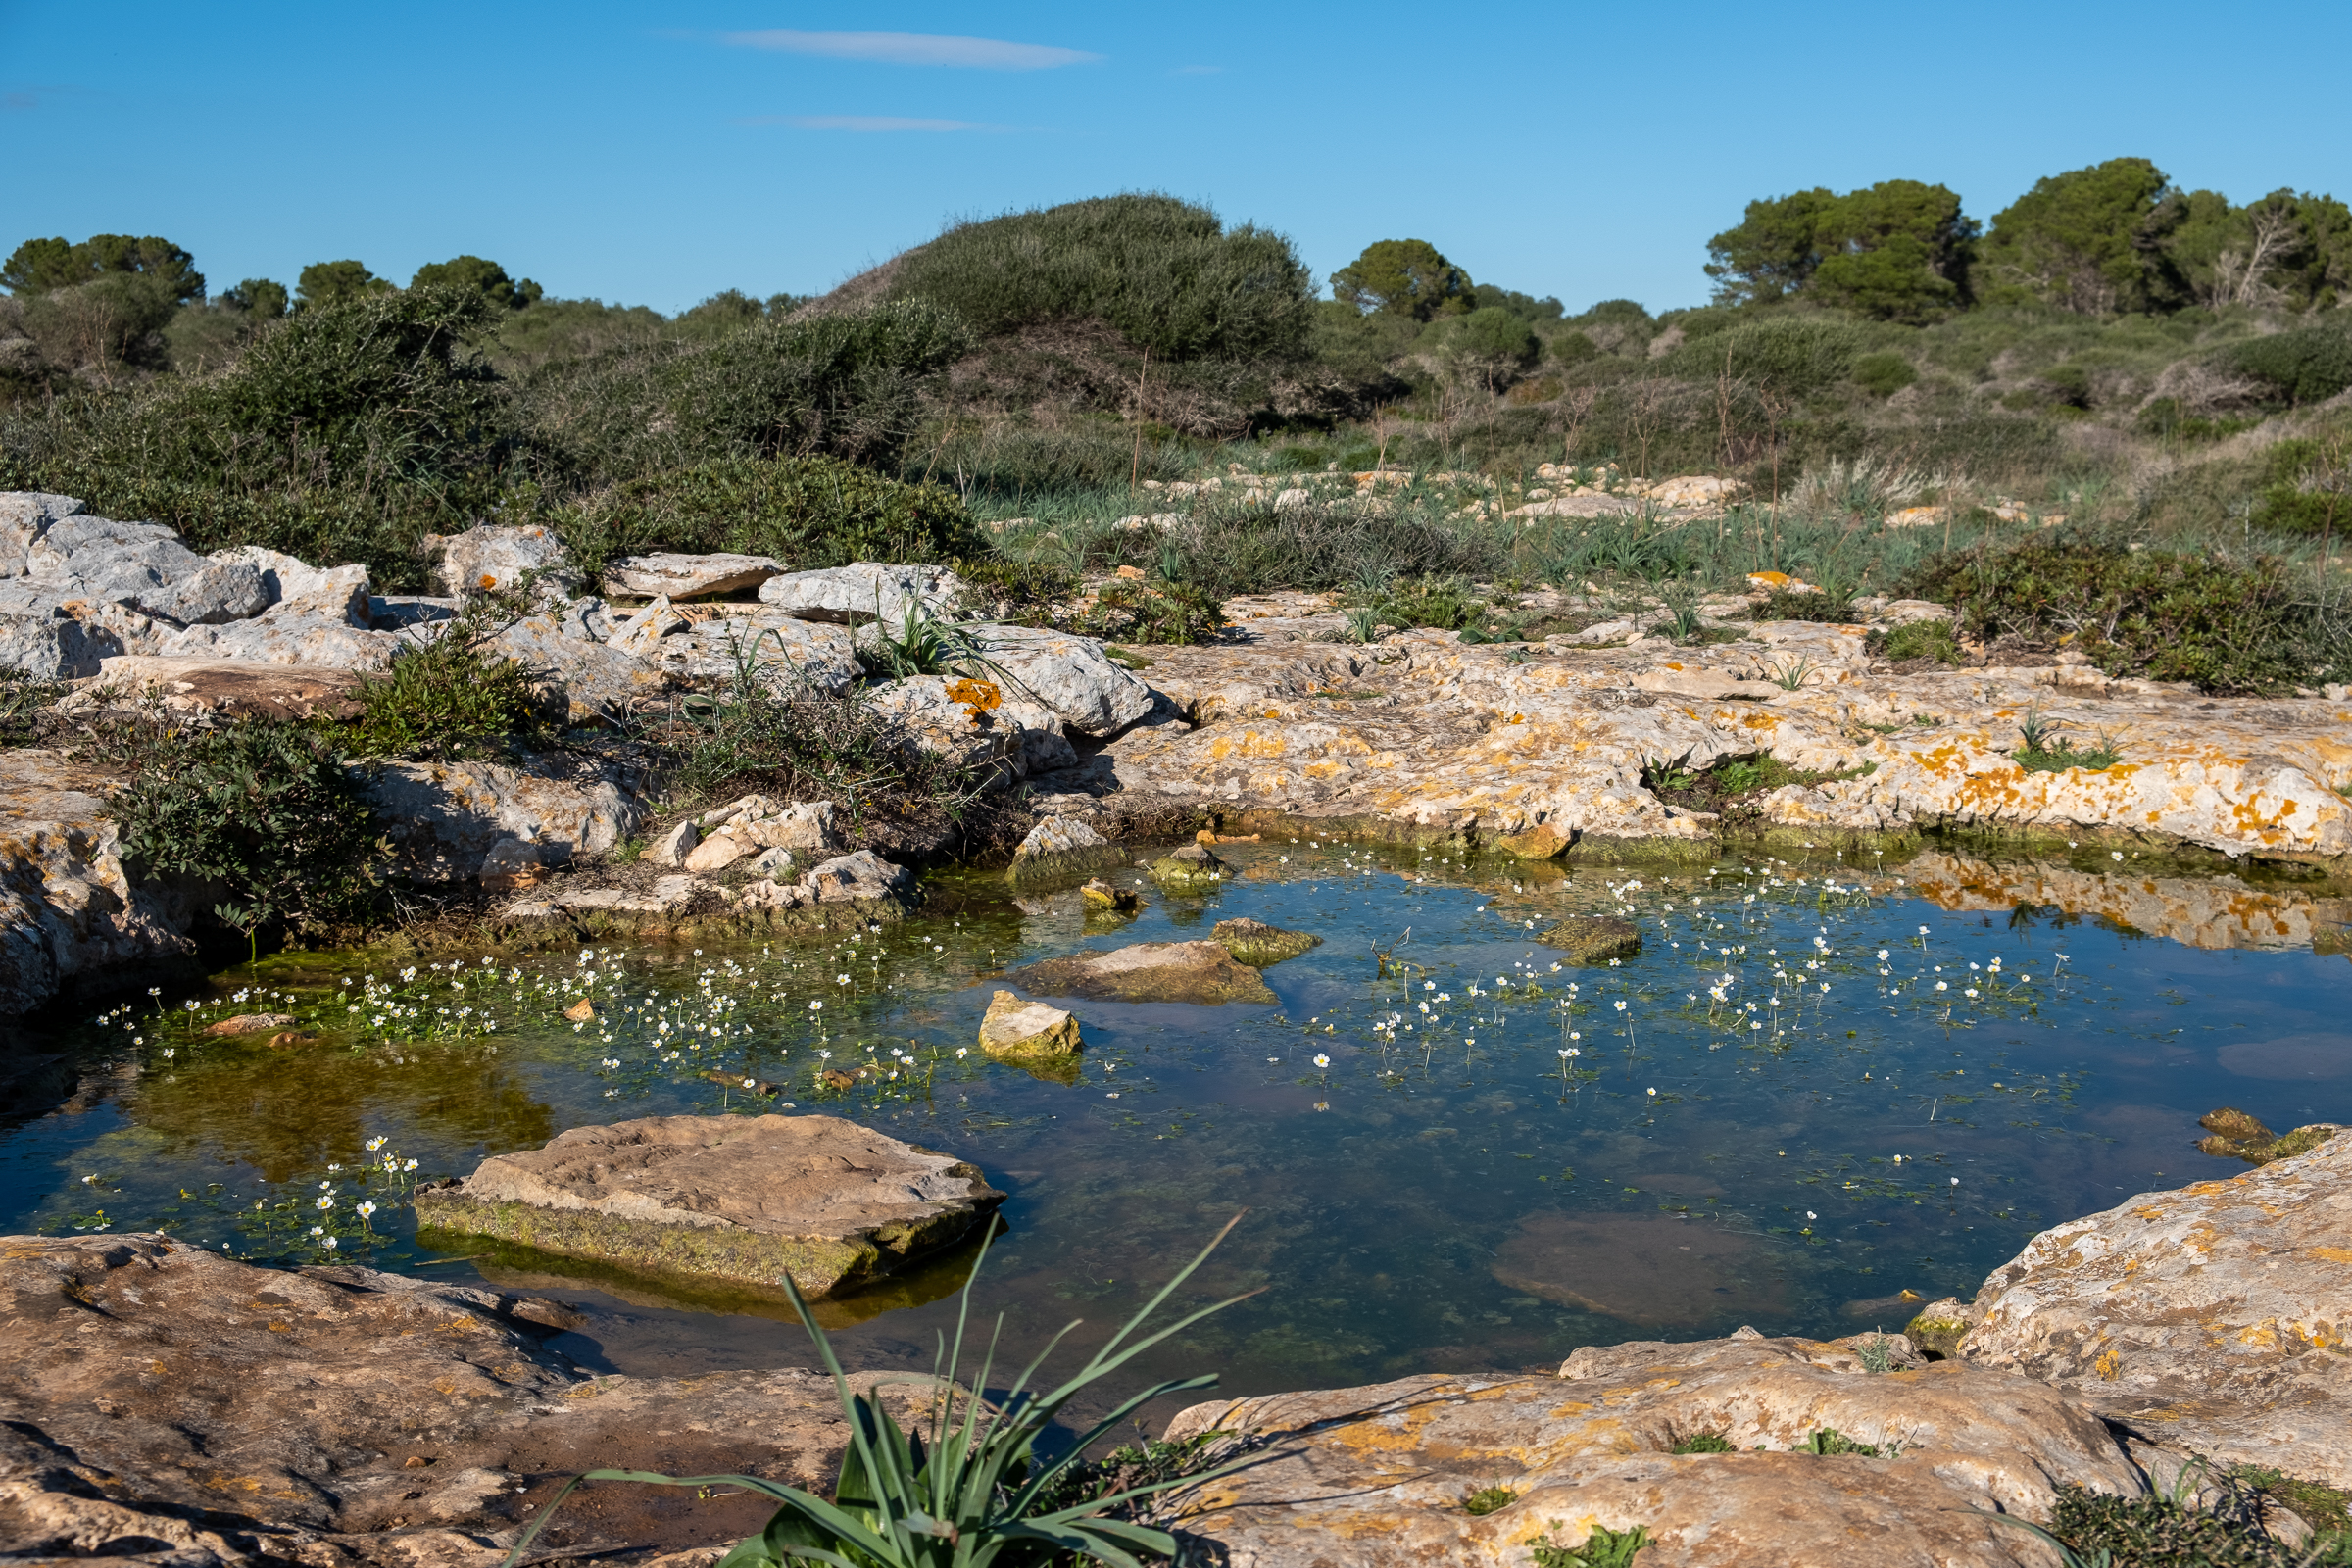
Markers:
point(968, 1486)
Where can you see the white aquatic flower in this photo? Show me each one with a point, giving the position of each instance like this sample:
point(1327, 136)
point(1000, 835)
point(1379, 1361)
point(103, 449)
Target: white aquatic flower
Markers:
point(327, 1201)
point(1956, 1180)
point(366, 1208)
point(1809, 1214)
point(1942, 985)
point(1321, 1060)
point(1654, 1094)
point(1620, 1007)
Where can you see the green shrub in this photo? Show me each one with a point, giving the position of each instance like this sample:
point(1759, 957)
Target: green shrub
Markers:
point(25, 701)
point(2223, 625)
point(1602, 1549)
point(1797, 355)
point(2158, 1530)
point(2309, 364)
point(1830, 1442)
point(1884, 373)
point(805, 512)
point(1166, 275)
point(1702, 1443)
point(446, 697)
point(845, 385)
point(264, 812)
point(1495, 335)
point(1917, 639)
point(1151, 613)
point(1445, 603)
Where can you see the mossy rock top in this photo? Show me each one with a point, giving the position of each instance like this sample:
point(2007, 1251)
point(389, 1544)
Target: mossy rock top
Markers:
point(1257, 943)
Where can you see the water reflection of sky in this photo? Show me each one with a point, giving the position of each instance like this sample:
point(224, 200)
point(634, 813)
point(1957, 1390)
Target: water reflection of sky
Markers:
point(1447, 1192)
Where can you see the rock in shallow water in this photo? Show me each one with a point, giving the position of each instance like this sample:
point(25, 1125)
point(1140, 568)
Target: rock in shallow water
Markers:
point(741, 1198)
point(1063, 846)
point(1017, 1028)
point(1595, 938)
point(1199, 972)
point(1257, 943)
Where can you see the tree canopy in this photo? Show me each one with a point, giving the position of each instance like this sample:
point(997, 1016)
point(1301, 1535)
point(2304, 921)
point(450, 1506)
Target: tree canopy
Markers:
point(1898, 251)
point(2091, 240)
point(484, 277)
point(1403, 277)
point(40, 266)
point(334, 283)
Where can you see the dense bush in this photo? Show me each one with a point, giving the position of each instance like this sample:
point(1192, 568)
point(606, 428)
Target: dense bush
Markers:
point(805, 512)
point(264, 812)
point(844, 386)
point(446, 697)
point(1165, 273)
point(1798, 356)
point(2224, 626)
point(2309, 364)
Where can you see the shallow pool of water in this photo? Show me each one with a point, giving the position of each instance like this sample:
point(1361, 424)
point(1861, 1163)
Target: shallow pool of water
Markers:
point(1811, 1092)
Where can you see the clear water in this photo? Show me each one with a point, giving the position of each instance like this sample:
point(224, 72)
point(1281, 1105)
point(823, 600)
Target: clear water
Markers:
point(1424, 1191)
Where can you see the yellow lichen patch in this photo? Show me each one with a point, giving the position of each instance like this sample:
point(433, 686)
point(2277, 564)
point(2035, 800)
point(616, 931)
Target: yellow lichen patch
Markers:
point(980, 695)
point(2109, 1364)
point(2334, 1255)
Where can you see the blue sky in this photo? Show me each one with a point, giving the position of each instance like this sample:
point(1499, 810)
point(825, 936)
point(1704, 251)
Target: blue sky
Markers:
point(654, 155)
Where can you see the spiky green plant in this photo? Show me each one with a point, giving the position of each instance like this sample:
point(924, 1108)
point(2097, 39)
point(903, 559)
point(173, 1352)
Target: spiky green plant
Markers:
point(971, 1488)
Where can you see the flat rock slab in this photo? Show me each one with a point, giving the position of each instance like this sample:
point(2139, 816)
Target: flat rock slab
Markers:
point(1645, 1270)
point(1376, 1477)
point(741, 1198)
point(688, 577)
point(1014, 1028)
point(167, 1404)
point(1201, 972)
point(227, 688)
point(2215, 1318)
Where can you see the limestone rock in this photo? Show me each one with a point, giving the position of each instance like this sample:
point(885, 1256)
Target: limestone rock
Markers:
point(492, 557)
point(1071, 675)
point(1940, 1326)
point(973, 724)
point(26, 515)
point(863, 591)
point(783, 654)
point(1543, 841)
point(1199, 972)
point(1063, 846)
point(1257, 943)
point(69, 913)
point(639, 636)
point(560, 644)
point(1386, 1469)
point(675, 576)
point(512, 863)
point(443, 817)
point(2212, 1317)
point(1595, 938)
point(292, 633)
point(171, 1406)
point(742, 1198)
point(672, 847)
point(220, 591)
point(717, 853)
point(1017, 1028)
point(860, 877)
point(54, 645)
point(225, 690)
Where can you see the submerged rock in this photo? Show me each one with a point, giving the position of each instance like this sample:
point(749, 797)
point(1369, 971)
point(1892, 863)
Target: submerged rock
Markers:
point(1100, 897)
point(1387, 1469)
point(1649, 1269)
point(1201, 972)
point(2238, 1136)
point(1257, 943)
point(1595, 938)
point(1192, 868)
point(742, 1198)
point(2214, 1318)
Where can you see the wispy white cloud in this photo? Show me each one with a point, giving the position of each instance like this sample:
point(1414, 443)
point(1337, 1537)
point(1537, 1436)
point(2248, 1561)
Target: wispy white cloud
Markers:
point(916, 49)
point(863, 123)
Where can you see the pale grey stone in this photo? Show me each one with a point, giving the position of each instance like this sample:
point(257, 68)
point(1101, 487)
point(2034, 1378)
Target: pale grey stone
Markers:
point(26, 515)
point(672, 847)
point(676, 576)
point(863, 591)
point(1071, 675)
point(493, 557)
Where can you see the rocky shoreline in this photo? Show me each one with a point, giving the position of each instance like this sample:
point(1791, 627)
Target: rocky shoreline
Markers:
point(152, 1389)
point(1536, 749)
